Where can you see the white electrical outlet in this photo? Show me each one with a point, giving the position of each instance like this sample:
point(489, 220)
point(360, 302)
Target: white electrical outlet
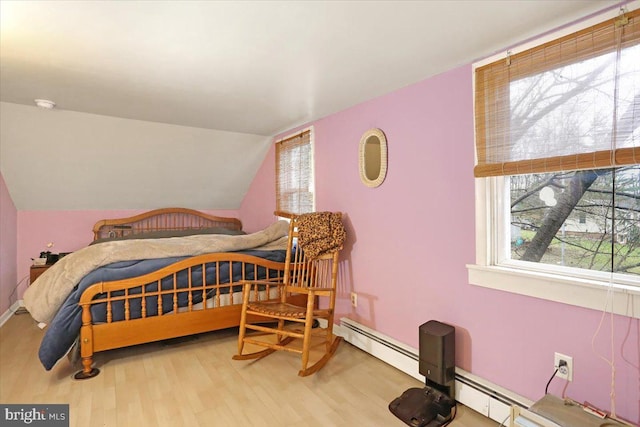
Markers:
point(354, 299)
point(565, 372)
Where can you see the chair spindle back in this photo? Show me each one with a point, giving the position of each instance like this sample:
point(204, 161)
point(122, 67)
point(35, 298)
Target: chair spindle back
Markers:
point(303, 272)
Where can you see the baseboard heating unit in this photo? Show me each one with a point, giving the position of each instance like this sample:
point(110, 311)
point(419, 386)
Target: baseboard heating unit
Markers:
point(472, 391)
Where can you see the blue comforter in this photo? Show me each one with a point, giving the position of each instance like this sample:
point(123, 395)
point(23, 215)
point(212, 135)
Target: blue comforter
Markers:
point(65, 326)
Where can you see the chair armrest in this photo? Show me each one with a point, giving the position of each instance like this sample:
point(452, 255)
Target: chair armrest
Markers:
point(309, 291)
point(273, 281)
point(247, 284)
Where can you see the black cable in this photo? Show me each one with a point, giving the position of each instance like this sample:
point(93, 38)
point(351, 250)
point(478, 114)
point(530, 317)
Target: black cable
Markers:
point(15, 288)
point(546, 389)
point(19, 310)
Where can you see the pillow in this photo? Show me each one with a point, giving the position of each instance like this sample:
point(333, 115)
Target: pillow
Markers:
point(163, 234)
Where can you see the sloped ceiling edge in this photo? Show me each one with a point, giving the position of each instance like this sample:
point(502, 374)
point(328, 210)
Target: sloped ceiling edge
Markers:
point(64, 160)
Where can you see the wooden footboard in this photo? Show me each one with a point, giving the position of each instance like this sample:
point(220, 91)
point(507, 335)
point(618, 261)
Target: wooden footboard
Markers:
point(136, 309)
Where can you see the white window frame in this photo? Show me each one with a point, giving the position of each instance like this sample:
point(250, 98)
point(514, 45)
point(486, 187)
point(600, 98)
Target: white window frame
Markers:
point(615, 293)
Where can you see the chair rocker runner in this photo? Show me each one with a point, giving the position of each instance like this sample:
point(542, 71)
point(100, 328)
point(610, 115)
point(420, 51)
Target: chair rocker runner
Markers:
point(284, 325)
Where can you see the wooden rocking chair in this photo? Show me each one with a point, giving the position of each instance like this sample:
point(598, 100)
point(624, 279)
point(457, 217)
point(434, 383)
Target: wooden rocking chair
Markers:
point(281, 327)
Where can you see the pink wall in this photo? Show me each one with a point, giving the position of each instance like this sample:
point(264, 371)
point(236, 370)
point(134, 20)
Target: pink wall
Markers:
point(8, 241)
point(68, 230)
point(410, 239)
point(259, 203)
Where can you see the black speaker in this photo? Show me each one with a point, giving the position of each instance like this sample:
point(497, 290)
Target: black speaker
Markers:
point(437, 355)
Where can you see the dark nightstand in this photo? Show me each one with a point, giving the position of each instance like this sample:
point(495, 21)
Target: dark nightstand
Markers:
point(36, 271)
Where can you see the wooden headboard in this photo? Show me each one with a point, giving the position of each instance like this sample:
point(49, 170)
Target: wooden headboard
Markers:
point(162, 219)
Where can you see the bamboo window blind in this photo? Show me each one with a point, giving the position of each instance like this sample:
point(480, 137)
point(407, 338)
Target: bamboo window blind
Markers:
point(294, 174)
point(569, 104)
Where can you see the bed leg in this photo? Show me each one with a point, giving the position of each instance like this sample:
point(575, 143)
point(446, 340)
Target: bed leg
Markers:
point(86, 347)
point(87, 371)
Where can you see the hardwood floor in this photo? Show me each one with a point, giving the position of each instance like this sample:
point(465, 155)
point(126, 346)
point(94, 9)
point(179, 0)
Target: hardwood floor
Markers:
point(194, 382)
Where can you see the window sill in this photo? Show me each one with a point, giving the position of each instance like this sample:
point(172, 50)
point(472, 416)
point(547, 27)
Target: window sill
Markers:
point(625, 300)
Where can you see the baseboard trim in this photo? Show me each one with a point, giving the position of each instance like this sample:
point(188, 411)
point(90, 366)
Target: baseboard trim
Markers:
point(7, 314)
point(472, 391)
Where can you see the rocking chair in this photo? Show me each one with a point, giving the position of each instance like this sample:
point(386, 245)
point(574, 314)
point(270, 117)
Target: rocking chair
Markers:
point(285, 326)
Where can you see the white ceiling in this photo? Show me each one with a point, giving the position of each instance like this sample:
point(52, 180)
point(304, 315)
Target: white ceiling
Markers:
point(207, 83)
point(256, 67)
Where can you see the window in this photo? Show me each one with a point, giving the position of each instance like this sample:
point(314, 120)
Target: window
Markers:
point(588, 219)
point(558, 162)
point(294, 174)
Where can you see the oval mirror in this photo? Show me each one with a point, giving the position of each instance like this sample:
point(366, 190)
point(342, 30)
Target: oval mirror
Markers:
point(373, 157)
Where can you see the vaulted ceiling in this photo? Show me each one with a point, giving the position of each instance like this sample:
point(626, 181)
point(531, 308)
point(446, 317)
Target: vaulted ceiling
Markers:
point(245, 70)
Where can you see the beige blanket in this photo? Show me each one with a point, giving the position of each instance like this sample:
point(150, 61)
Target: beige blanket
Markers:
point(45, 296)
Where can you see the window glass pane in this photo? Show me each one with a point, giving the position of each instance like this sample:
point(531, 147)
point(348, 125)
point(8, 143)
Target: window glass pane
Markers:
point(563, 110)
point(584, 219)
point(294, 174)
point(628, 108)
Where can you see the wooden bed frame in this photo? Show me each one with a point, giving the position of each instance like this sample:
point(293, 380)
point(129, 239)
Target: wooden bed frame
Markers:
point(213, 315)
